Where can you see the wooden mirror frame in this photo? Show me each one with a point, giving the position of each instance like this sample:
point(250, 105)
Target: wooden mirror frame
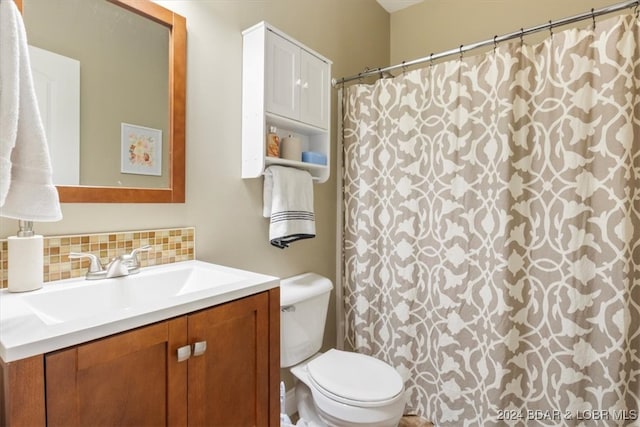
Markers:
point(175, 193)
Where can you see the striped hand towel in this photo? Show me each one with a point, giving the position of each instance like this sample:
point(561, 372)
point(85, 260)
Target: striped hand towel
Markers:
point(288, 201)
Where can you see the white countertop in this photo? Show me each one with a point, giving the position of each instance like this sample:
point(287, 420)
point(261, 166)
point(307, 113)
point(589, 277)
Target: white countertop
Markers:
point(25, 332)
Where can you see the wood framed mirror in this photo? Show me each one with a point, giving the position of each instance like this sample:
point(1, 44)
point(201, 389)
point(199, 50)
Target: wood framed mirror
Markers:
point(175, 190)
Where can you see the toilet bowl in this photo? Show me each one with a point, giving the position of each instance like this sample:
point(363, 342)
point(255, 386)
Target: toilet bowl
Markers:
point(335, 388)
point(350, 389)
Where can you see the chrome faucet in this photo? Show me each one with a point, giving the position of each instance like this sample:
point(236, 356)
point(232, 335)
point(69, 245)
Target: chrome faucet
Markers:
point(119, 266)
point(116, 268)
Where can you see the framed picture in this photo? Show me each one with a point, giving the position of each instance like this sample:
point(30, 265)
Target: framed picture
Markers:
point(141, 150)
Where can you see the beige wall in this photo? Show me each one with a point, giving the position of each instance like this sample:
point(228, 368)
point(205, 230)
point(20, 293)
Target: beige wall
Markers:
point(225, 209)
point(438, 25)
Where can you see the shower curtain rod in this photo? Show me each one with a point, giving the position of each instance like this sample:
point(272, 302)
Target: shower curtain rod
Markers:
point(495, 40)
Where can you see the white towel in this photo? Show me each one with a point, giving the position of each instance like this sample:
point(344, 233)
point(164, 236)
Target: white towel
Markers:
point(26, 187)
point(288, 201)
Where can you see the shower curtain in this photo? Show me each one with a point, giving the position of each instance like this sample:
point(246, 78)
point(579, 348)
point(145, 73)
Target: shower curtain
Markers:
point(492, 230)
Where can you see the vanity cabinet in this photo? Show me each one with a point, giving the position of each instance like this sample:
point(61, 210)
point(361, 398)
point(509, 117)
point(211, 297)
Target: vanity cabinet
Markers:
point(285, 85)
point(128, 379)
point(214, 367)
point(228, 384)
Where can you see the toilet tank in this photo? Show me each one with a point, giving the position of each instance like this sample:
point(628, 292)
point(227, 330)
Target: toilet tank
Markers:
point(304, 301)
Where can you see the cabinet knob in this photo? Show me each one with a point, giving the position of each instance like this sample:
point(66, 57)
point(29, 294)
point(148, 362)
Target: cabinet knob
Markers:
point(298, 82)
point(184, 353)
point(199, 348)
point(305, 85)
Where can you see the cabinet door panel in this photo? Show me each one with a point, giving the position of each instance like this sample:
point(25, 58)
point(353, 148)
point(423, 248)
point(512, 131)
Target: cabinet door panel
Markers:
point(121, 380)
point(229, 383)
point(282, 76)
point(314, 93)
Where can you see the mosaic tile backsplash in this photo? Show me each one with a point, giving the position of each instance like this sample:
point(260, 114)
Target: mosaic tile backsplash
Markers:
point(167, 246)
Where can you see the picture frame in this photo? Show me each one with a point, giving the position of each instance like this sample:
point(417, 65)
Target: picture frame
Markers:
point(141, 150)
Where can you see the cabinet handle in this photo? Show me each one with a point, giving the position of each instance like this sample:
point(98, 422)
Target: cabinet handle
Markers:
point(298, 82)
point(199, 348)
point(184, 353)
point(305, 85)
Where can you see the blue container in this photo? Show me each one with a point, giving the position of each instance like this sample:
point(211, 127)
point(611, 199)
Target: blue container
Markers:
point(314, 157)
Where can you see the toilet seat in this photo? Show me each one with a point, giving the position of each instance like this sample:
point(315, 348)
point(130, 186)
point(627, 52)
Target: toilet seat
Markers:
point(355, 379)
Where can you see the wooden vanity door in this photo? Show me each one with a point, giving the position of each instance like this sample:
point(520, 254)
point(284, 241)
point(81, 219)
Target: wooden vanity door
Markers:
point(229, 382)
point(130, 379)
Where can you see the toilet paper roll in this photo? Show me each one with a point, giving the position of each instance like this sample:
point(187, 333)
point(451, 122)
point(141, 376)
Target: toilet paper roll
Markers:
point(25, 263)
point(291, 148)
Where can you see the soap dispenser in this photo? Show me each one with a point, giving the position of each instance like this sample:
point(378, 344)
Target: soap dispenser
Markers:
point(25, 259)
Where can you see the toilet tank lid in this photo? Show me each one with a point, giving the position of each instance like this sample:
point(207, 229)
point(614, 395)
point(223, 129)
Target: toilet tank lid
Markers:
point(302, 287)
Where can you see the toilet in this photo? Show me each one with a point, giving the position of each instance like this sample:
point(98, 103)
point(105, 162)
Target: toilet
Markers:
point(334, 388)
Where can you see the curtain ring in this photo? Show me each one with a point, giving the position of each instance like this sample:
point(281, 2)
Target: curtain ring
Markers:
point(461, 46)
point(550, 28)
point(365, 73)
point(495, 43)
point(404, 67)
point(521, 35)
point(593, 18)
point(431, 60)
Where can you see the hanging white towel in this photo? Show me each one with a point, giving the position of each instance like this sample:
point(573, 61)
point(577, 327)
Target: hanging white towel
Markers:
point(26, 188)
point(288, 201)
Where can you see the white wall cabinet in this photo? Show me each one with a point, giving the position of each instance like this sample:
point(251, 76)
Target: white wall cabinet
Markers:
point(286, 85)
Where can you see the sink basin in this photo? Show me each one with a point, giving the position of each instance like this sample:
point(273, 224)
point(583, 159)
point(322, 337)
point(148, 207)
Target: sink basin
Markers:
point(72, 311)
point(89, 299)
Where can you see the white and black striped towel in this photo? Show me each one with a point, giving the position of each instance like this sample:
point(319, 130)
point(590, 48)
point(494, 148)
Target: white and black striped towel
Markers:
point(288, 201)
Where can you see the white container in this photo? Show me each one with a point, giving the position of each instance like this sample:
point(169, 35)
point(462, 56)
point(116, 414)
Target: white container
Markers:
point(25, 263)
point(291, 148)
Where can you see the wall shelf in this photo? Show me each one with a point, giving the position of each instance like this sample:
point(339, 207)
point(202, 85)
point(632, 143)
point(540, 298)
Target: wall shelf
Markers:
point(285, 85)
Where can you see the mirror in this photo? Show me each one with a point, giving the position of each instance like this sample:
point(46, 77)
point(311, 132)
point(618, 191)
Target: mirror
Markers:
point(170, 169)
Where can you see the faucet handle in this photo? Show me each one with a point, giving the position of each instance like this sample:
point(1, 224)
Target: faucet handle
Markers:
point(131, 259)
point(145, 248)
point(94, 267)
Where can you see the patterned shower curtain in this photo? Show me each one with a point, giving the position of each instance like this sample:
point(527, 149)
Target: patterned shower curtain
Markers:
point(492, 230)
